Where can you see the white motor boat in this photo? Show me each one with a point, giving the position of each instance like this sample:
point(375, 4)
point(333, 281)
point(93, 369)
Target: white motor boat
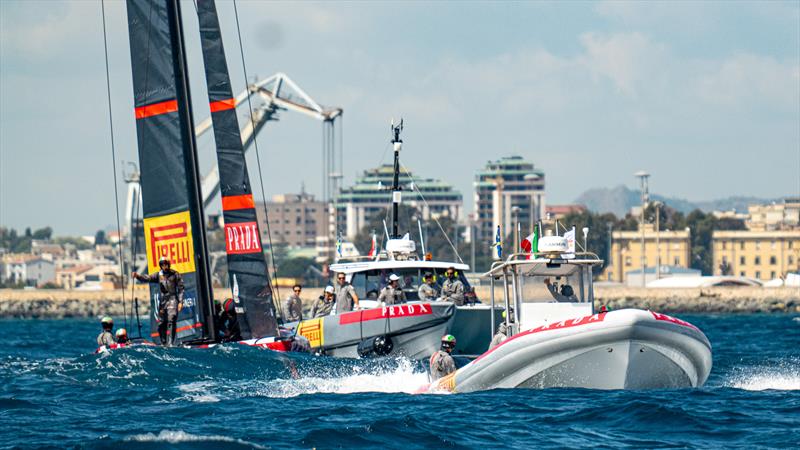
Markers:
point(568, 344)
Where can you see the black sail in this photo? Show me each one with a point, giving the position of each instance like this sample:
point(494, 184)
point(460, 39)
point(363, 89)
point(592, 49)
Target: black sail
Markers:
point(171, 200)
point(247, 267)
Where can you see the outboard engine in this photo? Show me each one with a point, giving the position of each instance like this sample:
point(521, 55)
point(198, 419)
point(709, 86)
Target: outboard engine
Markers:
point(374, 347)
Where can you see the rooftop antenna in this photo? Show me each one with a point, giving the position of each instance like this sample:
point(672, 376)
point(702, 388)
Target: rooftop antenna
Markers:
point(397, 195)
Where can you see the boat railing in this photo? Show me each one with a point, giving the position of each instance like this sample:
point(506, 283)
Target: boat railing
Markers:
point(516, 257)
point(381, 257)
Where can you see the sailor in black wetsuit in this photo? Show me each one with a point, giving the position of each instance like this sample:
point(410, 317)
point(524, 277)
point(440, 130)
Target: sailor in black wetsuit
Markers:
point(227, 322)
point(171, 300)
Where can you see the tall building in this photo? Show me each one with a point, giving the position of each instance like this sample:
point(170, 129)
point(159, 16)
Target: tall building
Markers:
point(507, 191)
point(295, 220)
point(371, 194)
point(673, 248)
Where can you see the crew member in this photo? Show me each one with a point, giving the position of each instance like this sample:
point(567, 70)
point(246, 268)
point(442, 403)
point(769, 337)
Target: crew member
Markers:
point(171, 300)
point(105, 337)
point(566, 295)
point(122, 337)
point(452, 288)
point(324, 304)
point(503, 332)
point(441, 362)
point(392, 294)
point(228, 322)
point(293, 306)
point(346, 298)
point(427, 290)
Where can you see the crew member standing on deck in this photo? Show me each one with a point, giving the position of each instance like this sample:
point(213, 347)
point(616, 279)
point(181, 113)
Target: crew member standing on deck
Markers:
point(323, 306)
point(427, 291)
point(170, 302)
point(452, 288)
point(392, 294)
point(346, 298)
point(441, 362)
point(293, 306)
point(105, 337)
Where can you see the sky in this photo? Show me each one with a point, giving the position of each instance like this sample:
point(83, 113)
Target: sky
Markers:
point(703, 95)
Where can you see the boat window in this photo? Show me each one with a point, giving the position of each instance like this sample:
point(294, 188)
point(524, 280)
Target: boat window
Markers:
point(368, 284)
point(536, 289)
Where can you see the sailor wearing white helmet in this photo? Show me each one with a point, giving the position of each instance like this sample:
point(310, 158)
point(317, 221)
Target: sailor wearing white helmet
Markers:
point(392, 294)
point(324, 304)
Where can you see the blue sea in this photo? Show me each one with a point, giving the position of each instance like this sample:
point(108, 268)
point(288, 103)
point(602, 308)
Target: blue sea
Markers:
point(54, 392)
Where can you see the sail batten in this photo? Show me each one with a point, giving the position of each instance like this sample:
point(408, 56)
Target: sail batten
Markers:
point(247, 267)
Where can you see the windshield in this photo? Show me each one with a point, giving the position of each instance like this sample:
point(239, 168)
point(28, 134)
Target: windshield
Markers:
point(368, 284)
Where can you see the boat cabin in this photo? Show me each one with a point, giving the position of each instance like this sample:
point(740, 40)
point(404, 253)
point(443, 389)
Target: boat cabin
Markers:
point(369, 277)
point(544, 290)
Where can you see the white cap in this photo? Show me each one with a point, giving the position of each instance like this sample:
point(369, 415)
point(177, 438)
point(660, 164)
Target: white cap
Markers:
point(329, 289)
point(393, 277)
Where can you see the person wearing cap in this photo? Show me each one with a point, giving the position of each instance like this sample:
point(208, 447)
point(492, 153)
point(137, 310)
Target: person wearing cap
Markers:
point(452, 288)
point(566, 295)
point(122, 337)
point(392, 294)
point(346, 298)
point(227, 321)
point(427, 291)
point(105, 337)
point(324, 304)
point(293, 306)
point(442, 363)
point(170, 284)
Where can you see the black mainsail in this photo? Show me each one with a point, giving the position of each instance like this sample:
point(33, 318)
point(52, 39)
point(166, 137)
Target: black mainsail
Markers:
point(247, 268)
point(171, 199)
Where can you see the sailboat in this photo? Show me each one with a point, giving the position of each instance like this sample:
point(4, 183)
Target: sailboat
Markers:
point(174, 224)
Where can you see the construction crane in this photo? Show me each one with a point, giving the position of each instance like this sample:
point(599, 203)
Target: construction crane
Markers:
point(268, 97)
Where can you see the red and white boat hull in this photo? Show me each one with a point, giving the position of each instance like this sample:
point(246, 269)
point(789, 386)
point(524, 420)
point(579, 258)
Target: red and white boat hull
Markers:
point(625, 349)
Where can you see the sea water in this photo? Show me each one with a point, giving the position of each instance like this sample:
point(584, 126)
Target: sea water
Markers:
point(54, 392)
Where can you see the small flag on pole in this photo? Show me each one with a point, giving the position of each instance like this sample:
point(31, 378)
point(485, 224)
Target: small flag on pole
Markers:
point(531, 243)
point(372, 249)
point(570, 236)
point(339, 246)
point(498, 245)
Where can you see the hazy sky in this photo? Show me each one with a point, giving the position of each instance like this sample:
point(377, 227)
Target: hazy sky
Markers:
point(704, 95)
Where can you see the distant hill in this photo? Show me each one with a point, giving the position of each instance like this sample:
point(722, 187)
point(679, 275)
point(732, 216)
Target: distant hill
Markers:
point(620, 199)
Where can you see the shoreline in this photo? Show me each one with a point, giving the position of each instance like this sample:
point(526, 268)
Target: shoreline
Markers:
point(59, 304)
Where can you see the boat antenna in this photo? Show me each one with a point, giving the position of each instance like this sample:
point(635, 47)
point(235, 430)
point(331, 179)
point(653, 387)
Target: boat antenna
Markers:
point(397, 143)
point(421, 237)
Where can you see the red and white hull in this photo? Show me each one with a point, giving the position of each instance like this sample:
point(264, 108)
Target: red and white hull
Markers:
point(625, 349)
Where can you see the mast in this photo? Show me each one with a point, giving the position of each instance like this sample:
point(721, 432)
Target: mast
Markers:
point(397, 143)
point(247, 267)
point(172, 208)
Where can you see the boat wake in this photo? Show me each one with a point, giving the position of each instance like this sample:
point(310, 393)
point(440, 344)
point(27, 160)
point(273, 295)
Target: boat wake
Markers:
point(178, 437)
point(785, 377)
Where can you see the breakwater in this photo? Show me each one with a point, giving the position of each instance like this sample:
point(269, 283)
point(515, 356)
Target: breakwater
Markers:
point(56, 304)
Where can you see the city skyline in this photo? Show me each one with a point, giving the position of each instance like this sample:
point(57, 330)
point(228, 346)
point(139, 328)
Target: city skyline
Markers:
point(702, 95)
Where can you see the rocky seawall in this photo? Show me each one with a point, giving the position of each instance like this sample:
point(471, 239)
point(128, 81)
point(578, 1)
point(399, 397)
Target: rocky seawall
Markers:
point(56, 304)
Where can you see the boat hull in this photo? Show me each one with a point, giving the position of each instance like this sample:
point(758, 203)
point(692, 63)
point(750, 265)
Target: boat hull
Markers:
point(415, 329)
point(626, 349)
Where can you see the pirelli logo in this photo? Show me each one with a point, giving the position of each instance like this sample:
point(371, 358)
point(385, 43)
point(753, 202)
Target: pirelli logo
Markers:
point(242, 238)
point(170, 236)
point(313, 331)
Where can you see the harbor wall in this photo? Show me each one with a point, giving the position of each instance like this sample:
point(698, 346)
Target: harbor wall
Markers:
point(55, 304)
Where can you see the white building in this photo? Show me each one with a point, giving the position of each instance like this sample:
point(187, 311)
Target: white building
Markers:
point(28, 269)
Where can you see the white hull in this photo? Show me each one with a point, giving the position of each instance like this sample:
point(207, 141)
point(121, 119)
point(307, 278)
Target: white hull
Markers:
point(626, 349)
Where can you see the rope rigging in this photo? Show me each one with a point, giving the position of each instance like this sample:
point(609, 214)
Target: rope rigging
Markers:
point(114, 163)
point(274, 280)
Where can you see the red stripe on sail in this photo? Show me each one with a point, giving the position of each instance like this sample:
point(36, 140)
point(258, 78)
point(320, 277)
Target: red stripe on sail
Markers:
point(233, 202)
point(222, 105)
point(156, 109)
point(187, 327)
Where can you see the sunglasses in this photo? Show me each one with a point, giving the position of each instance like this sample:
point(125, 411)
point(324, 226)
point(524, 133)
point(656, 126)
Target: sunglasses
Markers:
point(297, 290)
point(341, 278)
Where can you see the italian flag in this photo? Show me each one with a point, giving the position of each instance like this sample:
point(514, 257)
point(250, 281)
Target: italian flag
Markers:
point(531, 243)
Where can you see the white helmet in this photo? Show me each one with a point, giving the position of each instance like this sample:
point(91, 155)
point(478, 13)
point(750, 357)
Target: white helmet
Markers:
point(394, 277)
point(329, 290)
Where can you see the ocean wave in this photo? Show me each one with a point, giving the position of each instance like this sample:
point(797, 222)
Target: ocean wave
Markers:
point(178, 436)
point(785, 377)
